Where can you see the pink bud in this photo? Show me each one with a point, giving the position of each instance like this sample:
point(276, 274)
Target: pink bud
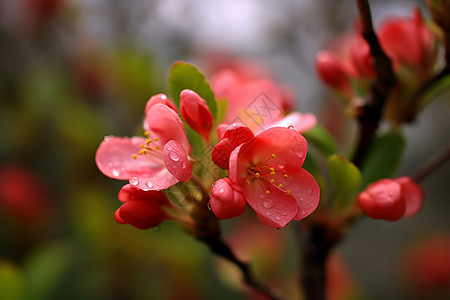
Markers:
point(226, 201)
point(232, 136)
point(331, 71)
point(391, 199)
point(383, 200)
point(196, 113)
point(142, 209)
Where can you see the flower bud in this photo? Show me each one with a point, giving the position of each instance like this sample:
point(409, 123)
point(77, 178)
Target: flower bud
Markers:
point(226, 201)
point(383, 200)
point(141, 209)
point(331, 71)
point(391, 199)
point(196, 113)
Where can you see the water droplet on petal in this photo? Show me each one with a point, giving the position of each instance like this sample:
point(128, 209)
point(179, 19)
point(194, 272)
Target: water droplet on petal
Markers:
point(107, 137)
point(268, 213)
point(278, 218)
point(183, 166)
point(267, 204)
point(284, 213)
point(301, 199)
point(115, 172)
point(309, 190)
point(221, 190)
point(291, 127)
point(134, 181)
point(149, 184)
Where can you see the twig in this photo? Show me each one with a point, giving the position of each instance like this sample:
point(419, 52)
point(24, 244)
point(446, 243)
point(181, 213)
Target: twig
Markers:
point(435, 163)
point(207, 230)
point(220, 248)
point(371, 112)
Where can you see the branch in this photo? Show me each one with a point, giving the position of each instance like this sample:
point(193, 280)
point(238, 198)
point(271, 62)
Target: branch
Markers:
point(371, 112)
point(207, 230)
point(435, 163)
point(220, 248)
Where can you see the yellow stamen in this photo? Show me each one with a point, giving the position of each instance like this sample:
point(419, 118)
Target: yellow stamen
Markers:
point(156, 139)
point(267, 192)
point(285, 176)
point(280, 186)
point(272, 180)
point(143, 152)
point(156, 147)
point(134, 156)
point(257, 175)
point(272, 173)
point(288, 192)
point(273, 156)
point(146, 133)
point(148, 141)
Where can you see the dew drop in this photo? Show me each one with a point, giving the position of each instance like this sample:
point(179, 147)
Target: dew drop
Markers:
point(149, 184)
point(221, 190)
point(107, 137)
point(134, 181)
point(309, 190)
point(267, 204)
point(284, 213)
point(173, 156)
point(183, 166)
point(301, 199)
point(268, 213)
point(208, 206)
point(291, 127)
point(115, 172)
point(278, 218)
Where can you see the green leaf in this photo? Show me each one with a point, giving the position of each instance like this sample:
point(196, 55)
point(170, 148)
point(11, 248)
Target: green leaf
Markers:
point(11, 281)
point(383, 157)
point(345, 179)
point(184, 75)
point(322, 139)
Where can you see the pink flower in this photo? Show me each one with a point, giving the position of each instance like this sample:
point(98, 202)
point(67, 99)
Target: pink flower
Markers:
point(196, 113)
point(153, 163)
point(408, 41)
point(391, 199)
point(141, 209)
point(268, 171)
point(252, 101)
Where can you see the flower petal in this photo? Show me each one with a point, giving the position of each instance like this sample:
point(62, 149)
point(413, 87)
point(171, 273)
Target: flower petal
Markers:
point(196, 113)
point(413, 195)
point(165, 124)
point(287, 146)
point(300, 122)
point(176, 161)
point(274, 209)
point(114, 158)
point(303, 187)
point(130, 192)
point(141, 214)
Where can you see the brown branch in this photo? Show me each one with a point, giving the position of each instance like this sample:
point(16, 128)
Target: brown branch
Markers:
point(207, 230)
point(431, 166)
point(370, 114)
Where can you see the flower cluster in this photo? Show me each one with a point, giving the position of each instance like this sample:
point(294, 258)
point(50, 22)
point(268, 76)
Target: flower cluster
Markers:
point(257, 143)
point(347, 66)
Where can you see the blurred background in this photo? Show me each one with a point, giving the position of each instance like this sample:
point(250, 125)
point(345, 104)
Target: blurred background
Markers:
point(72, 72)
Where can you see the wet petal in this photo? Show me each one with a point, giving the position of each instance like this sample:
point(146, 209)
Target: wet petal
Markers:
point(114, 158)
point(287, 146)
point(177, 161)
point(130, 192)
point(274, 209)
point(165, 124)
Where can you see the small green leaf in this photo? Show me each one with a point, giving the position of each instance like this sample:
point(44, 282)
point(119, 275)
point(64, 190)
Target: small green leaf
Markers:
point(184, 75)
point(322, 139)
point(345, 179)
point(11, 281)
point(383, 157)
